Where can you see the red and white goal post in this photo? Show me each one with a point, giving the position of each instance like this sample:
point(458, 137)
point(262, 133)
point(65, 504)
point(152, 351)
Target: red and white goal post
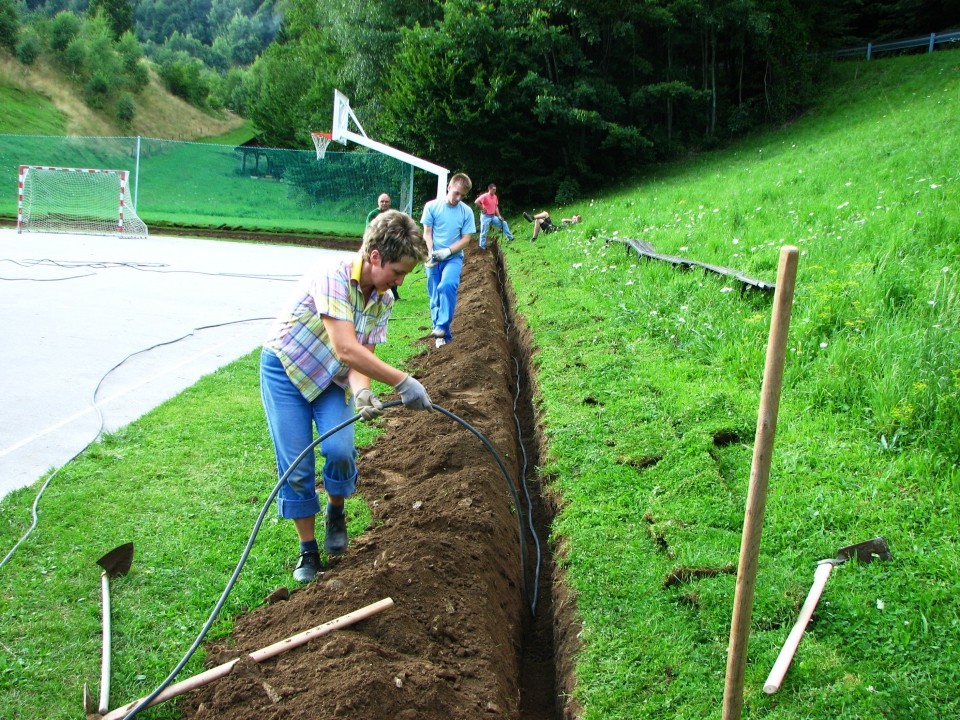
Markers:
point(76, 200)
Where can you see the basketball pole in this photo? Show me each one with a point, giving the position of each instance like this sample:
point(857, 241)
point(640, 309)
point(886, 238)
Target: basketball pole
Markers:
point(340, 132)
point(759, 477)
point(441, 172)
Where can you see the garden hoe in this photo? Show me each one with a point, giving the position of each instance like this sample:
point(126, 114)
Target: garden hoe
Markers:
point(115, 564)
point(866, 551)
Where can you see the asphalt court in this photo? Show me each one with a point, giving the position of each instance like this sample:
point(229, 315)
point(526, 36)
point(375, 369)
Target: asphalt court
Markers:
point(98, 330)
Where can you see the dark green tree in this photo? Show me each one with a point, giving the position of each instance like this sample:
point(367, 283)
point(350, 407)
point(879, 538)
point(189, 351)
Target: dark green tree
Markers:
point(29, 47)
point(119, 14)
point(574, 92)
point(9, 25)
point(63, 29)
point(243, 37)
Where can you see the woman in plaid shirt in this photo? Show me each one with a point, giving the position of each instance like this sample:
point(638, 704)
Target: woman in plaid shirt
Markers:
point(316, 367)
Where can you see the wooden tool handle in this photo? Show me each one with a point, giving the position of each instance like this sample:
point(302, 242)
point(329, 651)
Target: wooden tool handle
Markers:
point(775, 678)
point(105, 653)
point(260, 655)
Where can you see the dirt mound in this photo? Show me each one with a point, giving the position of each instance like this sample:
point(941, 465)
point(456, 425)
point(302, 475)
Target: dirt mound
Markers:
point(444, 545)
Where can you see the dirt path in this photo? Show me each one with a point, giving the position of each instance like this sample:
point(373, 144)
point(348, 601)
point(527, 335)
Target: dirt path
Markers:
point(444, 545)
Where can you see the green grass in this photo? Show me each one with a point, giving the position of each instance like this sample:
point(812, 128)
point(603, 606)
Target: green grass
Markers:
point(187, 493)
point(641, 365)
point(208, 184)
point(639, 368)
point(27, 111)
point(235, 137)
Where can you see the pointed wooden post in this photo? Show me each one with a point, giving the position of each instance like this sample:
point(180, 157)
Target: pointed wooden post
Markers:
point(759, 475)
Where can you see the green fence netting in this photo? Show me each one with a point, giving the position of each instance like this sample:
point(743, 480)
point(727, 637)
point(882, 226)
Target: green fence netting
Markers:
point(223, 186)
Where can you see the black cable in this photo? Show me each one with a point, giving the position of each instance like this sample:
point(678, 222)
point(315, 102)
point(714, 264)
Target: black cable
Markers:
point(143, 267)
point(526, 493)
point(96, 407)
point(145, 702)
point(510, 484)
point(523, 452)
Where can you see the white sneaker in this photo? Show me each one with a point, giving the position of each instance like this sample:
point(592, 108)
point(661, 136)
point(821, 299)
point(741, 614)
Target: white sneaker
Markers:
point(441, 342)
point(437, 333)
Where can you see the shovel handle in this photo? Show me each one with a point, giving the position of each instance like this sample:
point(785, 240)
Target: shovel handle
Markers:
point(258, 656)
point(779, 670)
point(105, 657)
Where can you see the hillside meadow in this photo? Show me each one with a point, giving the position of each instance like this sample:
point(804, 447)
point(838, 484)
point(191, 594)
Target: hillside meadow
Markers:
point(39, 100)
point(649, 382)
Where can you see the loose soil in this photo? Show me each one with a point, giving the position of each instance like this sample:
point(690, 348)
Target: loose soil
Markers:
point(444, 544)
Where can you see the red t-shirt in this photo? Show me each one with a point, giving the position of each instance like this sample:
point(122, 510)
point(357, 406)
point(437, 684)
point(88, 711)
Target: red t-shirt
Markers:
point(489, 203)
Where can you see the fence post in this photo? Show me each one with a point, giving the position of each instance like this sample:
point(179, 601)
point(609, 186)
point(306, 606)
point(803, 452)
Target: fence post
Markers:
point(136, 176)
point(932, 41)
point(869, 48)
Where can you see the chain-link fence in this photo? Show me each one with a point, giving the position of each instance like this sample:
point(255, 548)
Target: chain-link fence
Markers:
point(223, 186)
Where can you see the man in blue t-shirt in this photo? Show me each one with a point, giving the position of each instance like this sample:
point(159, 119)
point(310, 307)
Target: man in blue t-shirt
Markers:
point(448, 223)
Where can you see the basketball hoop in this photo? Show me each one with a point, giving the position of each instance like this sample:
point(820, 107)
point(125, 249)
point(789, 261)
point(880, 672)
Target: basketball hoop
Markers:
point(320, 142)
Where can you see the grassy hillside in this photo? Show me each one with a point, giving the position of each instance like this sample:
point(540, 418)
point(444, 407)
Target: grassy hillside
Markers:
point(40, 100)
point(649, 383)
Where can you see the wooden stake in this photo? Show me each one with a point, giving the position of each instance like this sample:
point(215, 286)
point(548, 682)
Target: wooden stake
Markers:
point(759, 476)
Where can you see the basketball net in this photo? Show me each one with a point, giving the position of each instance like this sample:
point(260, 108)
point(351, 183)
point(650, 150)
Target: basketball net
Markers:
point(320, 142)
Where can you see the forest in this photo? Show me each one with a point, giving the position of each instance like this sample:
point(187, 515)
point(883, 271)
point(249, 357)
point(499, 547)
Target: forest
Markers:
point(565, 95)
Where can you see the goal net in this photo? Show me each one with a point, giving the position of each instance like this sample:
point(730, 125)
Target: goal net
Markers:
point(76, 200)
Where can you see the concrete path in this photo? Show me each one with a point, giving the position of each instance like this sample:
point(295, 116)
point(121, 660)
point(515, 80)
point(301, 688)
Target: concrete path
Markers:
point(134, 321)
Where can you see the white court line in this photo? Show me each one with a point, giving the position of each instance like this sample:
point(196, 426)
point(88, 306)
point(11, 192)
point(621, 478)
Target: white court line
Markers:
point(103, 403)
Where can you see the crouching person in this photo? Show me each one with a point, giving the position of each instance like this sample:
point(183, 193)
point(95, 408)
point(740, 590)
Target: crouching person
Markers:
point(315, 369)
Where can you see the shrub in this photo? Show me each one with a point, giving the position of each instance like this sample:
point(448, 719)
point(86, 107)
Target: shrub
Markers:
point(64, 27)
point(28, 47)
point(126, 109)
point(96, 90)
point(138, 77)
point(184, 79)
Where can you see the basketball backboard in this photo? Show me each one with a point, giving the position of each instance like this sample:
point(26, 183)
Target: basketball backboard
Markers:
point(341, 117)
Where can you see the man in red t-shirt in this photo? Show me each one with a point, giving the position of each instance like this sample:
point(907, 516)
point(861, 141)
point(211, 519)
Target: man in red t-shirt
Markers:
point(489, 205)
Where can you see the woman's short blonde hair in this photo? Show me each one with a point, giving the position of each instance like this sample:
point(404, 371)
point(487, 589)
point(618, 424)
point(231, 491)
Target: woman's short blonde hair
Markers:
point(396, 236)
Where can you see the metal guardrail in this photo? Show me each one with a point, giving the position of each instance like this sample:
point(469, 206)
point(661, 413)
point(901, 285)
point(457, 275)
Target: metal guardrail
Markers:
point(931, 42)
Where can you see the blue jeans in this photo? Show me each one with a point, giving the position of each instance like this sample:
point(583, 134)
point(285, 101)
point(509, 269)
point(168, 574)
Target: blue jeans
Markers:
point(486, 221)
point(290, 419)
point(443, 283)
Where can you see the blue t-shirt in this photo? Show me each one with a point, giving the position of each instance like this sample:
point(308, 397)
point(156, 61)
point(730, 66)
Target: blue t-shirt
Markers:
point(449, 223)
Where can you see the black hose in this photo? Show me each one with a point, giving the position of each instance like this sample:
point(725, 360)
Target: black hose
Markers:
point(143, 704)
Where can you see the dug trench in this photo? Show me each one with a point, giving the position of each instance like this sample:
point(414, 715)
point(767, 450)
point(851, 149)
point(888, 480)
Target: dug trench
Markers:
point(473, 632)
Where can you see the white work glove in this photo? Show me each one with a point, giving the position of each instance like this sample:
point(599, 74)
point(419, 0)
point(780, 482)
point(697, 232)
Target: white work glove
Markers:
point(367, 404)
point(441, 254)
point(413, 394)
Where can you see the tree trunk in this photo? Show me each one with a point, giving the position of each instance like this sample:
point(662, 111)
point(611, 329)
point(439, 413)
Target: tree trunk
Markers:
point(669, 96)
point(713, 82)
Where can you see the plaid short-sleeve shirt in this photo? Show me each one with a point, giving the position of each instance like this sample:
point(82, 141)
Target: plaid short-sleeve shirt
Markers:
point(299, 338)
